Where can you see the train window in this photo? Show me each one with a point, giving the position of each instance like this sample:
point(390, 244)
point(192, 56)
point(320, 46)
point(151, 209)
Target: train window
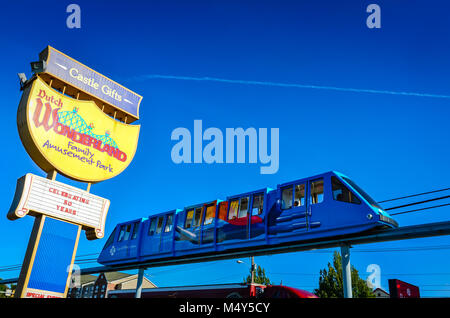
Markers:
point(135, 230)
point(223, 206)
point(197, 217)
point(110, 239)
point(189, 217)
point(152, 227)
point(258, 204)
point(341, 193)
point(234, 205)
point(127, 232)
point(121, 233)
point(299, 196)
point(243, 208)
point(210, 213)
point(286, 198)
point(168, 226)
point(371, 201)
point(316, 191)
point(124, 232)
point(159, 225)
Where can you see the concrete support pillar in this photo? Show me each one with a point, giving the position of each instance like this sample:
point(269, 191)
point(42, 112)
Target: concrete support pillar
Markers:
point(346, 271)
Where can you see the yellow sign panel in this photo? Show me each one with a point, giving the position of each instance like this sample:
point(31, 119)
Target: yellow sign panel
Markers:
point(73, 136)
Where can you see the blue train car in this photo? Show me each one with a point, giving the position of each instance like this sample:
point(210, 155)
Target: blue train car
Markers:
point(314, 208)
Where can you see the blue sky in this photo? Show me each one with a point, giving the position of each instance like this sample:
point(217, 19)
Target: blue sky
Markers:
point(390, 144)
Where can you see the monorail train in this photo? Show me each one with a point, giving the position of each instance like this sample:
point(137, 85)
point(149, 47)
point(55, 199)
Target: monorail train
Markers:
point(322, 206)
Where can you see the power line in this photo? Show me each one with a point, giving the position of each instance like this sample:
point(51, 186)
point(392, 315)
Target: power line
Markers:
point(419, 202)
point(393, 249)
point(427, 208)
point(384, 274)
point(414, 195)
point(7, 268)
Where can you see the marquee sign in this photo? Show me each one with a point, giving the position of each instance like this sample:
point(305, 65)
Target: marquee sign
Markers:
point(74, 121)
point(73, 136)
point(37, 195)
point(62, 67)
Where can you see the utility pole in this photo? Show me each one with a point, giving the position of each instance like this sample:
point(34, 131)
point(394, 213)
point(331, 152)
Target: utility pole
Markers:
point(253, 270)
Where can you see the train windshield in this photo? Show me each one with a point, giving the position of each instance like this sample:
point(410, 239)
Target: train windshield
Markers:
point(371, 201)
point(110, 239)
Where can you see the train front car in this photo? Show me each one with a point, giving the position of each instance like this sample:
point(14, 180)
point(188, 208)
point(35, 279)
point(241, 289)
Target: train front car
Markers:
point(325, 205)
point(377, 212)
point(123, 245)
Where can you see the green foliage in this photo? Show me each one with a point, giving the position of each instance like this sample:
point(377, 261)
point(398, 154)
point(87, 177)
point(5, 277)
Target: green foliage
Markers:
point(331, 282)
point(3, 289)
point(260, 277)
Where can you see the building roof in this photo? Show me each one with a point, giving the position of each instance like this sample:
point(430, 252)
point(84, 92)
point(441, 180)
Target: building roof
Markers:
point(380, 292)
point(113, 276)
point(86, 279)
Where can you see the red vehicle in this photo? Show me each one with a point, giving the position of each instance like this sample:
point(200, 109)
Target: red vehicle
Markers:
point(401, 289)
point(280, 291)
point(239, 290)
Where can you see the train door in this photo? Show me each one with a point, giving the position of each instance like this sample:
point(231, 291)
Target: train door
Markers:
point(167, 235)
point(194, 217)
point(316, 207)
point(153, 241)
point(134, 239)
point(208, 224)
point(237, 226)
point(256, 216)
point(221, 222)
point(292, 214)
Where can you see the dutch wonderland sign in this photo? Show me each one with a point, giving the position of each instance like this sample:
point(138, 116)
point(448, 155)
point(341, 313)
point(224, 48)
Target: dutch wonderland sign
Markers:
point(73, 136)
point(76, 122)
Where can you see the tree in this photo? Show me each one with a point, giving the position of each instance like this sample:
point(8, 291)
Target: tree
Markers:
point(3, 289)
point(331, 282)
point(260, 277)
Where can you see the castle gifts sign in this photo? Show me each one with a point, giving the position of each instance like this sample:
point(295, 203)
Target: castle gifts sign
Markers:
point(37, 195)
point(73, 136)
point(85, 79)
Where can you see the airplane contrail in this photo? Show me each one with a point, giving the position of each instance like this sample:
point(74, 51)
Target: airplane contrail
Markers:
point(278, 84)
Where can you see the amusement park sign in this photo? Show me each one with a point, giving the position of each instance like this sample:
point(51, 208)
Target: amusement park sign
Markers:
point(73, 136)
point(76, 122)
point(37, 195)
